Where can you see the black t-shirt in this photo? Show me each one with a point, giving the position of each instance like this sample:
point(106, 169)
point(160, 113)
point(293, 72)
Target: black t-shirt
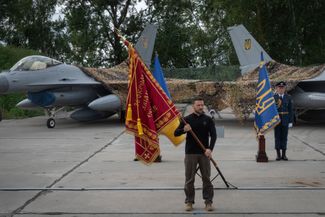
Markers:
point(203, 126)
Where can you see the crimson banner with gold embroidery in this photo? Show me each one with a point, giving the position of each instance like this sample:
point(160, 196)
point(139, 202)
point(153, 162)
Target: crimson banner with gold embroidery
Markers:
point(149, 110)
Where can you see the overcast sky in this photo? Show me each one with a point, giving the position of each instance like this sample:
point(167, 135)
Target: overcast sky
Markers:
point(140, 5)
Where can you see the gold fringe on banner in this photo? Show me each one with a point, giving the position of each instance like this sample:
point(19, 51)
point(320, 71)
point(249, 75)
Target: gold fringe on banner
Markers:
point(129, 113)
point(140, 130)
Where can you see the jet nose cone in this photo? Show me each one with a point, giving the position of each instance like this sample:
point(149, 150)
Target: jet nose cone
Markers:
point(4, 84)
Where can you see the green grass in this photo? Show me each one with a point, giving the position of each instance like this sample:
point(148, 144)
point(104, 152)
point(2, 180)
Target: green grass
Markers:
point(8, 57)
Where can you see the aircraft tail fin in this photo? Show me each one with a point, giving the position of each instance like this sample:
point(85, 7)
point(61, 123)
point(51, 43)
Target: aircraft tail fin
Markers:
point(248, 50)
point(146, 42)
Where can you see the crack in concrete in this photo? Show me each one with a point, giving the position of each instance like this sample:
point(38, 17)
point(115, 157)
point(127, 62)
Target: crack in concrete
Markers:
point(43, 192)
point(310, 146)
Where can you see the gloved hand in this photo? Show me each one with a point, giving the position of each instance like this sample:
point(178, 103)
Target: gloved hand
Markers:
point(290, 125)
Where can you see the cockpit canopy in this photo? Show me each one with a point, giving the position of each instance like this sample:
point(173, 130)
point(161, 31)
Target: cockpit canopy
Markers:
point(32, 63)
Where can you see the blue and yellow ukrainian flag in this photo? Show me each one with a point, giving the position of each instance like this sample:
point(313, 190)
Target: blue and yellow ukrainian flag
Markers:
point(266, 113)
point(159, 76)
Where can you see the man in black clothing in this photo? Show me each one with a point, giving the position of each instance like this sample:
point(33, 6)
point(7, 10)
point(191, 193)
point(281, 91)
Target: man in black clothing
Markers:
point(203, 126)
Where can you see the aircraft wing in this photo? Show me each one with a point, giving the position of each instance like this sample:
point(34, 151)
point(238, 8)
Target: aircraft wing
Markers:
point(63, 84)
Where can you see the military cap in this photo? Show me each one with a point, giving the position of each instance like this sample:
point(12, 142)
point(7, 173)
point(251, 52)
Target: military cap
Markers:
point(281, 84)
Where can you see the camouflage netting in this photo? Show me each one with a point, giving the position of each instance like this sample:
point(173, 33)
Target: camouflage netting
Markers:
point(217, 95)
point(242, 95)
point(114, 79)
point(239, 95)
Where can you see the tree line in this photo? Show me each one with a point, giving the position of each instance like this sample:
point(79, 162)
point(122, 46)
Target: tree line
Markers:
point(192, 33)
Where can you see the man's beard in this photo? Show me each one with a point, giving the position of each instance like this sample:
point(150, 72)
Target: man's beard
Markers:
point(199, 111)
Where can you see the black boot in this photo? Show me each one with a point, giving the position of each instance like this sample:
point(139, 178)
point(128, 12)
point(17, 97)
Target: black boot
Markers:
point(278, 155)
point(284, 157)
point(158, 159)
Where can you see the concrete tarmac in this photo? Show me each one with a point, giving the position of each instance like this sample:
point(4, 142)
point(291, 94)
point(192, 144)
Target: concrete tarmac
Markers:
point(87, 169)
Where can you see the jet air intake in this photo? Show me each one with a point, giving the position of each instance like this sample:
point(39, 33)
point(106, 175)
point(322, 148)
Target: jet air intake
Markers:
point(62, 98)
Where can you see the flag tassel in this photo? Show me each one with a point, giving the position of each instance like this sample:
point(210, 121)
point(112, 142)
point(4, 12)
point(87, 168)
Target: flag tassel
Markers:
point(129, 113)
point(140, 130)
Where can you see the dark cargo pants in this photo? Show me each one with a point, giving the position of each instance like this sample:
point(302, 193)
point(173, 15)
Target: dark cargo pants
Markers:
point(191, 161)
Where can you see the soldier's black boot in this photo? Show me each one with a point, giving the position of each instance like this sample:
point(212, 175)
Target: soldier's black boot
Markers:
point(278, 155)
point(284, 157)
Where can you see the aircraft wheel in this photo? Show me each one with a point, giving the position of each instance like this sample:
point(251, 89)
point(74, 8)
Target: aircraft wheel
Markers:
point(50, 123)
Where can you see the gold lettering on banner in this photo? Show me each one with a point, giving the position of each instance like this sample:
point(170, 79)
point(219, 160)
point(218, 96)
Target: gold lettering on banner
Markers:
point(140, 87)
point(261, 103)
point(154, 109)
point(145, 101)
point(149, 113)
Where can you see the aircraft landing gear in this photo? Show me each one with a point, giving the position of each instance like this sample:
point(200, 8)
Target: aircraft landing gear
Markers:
point(51, 113)
point(50, 123)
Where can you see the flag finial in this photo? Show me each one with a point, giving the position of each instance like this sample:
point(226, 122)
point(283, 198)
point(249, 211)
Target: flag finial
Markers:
point(262, 57)
point(262, 60)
